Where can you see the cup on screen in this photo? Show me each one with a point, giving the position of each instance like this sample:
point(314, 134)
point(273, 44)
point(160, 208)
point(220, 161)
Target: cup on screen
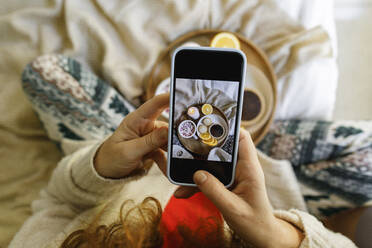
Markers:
point(216, 130)
point(187, 129)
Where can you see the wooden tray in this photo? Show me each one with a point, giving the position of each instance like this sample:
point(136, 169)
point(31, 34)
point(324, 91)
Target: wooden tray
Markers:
point(255, 57)
point(196, 146)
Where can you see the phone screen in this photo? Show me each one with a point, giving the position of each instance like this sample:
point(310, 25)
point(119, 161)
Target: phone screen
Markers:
point(204, 119)
point(205, 114)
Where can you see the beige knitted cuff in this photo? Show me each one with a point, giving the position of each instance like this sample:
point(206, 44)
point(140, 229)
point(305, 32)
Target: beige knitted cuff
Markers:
point(316, 234)
point(290, 216)
point(86, 178)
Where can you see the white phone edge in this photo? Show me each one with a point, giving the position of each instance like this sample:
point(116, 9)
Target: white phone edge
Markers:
point(238, 117)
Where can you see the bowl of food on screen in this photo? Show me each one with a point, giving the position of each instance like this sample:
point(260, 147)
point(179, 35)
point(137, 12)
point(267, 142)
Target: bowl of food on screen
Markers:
point(187, 129)
point(217, 131)
point(211, 130)
point(211, 127)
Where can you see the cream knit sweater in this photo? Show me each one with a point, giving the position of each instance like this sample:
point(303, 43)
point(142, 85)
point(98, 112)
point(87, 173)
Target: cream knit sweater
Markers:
point(75, 193)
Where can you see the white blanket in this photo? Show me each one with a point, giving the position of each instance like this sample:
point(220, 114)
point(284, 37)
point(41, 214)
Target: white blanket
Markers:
point(310, 91)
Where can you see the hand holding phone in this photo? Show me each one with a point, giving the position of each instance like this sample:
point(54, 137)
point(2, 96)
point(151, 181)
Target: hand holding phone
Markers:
point(205, 111)
point(246, 208)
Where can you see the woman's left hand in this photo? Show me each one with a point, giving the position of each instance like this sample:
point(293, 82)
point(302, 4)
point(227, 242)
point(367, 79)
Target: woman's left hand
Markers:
point(246, 208)
point(139, 136)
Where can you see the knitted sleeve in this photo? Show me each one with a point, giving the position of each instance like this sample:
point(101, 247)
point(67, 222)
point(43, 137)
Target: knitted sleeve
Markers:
point(75, 181)
point(73, 188)
point(316, 235)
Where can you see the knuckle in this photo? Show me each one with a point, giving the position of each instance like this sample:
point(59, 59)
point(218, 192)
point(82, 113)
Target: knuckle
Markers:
point(150, 140)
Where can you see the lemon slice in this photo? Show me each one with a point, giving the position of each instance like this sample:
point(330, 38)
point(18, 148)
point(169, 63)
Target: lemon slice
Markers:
point(212, 142)
point(205, 136)
point(225, 40)
point(207, 109)
point(208, 140)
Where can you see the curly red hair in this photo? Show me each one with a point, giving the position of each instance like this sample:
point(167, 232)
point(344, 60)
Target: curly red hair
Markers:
point(140, 227)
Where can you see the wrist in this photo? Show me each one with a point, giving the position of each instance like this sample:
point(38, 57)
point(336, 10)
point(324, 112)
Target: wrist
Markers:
point(104, 164)
point(106, 167)
point(98, 163)
point(285, 235)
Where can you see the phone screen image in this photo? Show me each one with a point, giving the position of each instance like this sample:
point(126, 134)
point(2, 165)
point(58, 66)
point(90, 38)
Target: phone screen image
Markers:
point(204, 119)
point(205, 111)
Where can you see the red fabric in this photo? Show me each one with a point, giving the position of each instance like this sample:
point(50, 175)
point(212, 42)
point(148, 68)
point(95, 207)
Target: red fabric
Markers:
point(191, 213)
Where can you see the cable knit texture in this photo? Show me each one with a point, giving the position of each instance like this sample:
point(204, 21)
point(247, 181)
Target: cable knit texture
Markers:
point(316, 235)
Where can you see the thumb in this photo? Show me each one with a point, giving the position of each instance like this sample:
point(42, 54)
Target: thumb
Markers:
point(148, 143)
point(215, 191)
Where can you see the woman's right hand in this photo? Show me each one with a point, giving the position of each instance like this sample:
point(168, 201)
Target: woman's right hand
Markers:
point(246, 208)
point(139, 137)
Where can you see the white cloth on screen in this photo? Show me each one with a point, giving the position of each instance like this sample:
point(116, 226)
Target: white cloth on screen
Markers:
point(218, 154)
point(180, 152)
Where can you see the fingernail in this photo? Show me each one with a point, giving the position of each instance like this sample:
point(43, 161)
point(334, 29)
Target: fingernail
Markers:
point(200, 177)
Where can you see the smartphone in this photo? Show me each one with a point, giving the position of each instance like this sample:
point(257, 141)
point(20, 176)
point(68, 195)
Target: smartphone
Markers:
point(206, 95)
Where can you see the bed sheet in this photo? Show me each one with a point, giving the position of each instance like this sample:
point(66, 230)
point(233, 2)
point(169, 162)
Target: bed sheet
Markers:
point(310, 91)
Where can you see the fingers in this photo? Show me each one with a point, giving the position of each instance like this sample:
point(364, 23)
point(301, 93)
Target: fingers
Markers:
point(247, 149)
point(153, 107)
point(160, 159)
point(141, 121)
point(159, 124)
point(139, 147)
point(215, 191)
point(185, 192)
point(248, 166)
